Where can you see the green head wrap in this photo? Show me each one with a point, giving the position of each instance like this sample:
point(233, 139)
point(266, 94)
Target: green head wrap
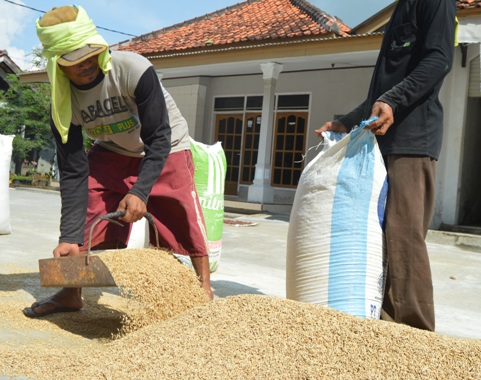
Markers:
point(60, 39)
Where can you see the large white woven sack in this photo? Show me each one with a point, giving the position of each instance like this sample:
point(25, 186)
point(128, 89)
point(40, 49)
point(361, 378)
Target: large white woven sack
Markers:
point(5, 158)
point(335, 243)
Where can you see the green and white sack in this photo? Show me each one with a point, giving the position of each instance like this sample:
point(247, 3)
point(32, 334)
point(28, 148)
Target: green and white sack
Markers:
point(209, 176)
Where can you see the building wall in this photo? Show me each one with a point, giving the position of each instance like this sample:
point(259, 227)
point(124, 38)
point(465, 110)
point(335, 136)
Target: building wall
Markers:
point(190, 95)
point(336, 92)
point(332, 92)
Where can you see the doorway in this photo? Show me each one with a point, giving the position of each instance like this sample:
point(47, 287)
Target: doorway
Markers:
point(470, 190)
point(228, 131)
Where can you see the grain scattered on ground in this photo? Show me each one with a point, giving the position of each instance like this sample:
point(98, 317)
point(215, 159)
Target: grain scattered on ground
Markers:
point(166, 329)
point(259, 337)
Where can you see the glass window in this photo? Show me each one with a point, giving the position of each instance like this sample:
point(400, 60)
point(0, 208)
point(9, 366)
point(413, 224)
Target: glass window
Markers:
point(293, 102)
point(229, 104)
point(254, 103)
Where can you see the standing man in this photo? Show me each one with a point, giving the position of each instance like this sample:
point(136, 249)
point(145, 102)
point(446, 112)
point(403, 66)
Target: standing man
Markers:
point(141, 159)
point(416, 54)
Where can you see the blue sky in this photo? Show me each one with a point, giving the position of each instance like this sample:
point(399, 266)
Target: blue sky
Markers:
point(17, 22)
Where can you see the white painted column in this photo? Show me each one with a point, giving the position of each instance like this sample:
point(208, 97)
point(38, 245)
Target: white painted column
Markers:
point(453, 97)
point(261, 191)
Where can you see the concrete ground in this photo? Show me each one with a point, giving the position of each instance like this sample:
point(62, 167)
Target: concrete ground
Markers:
point(253, 258)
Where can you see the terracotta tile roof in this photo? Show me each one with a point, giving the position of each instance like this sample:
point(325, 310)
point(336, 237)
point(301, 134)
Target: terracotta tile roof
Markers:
point(466, 4)
point(247, 22)
point(251, 21)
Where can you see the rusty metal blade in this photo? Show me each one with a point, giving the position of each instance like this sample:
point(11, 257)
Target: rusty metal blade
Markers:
point(73, 272)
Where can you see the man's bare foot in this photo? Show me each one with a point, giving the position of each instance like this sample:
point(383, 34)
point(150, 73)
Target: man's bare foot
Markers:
point(65, 300)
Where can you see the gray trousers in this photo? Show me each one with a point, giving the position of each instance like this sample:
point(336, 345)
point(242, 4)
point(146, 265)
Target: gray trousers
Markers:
point(408, 297)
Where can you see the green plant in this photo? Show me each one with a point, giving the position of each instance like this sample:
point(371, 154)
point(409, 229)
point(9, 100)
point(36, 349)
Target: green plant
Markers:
point(24, 112)
point(16, 179)
point(31, 178)
point(20, 177)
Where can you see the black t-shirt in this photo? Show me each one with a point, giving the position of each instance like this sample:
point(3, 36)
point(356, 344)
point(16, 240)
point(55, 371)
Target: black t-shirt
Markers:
point(416, 54)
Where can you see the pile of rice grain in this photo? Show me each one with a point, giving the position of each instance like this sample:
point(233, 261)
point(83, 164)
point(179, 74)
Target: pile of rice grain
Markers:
point(157, 285)
point(171, 331)
point(261, 337)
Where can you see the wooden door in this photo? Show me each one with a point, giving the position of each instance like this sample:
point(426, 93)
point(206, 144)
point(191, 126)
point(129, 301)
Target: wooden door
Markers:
point(250, 147)
point(229, 133)
point(289, 148)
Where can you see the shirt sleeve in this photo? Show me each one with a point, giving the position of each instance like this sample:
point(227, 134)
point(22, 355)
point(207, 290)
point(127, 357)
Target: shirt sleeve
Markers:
point(354, 117)
point(74, 170)
point(155, 132)
point(437, 35)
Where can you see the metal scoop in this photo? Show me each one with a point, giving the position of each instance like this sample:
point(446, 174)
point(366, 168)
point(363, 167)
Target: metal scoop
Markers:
point(82, 271)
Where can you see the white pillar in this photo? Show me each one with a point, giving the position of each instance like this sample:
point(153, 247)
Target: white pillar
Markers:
point(261, 191)
point(449, 176)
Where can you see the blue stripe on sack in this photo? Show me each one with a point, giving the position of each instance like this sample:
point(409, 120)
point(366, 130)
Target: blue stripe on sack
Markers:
point(381, 203)
point(349, 226)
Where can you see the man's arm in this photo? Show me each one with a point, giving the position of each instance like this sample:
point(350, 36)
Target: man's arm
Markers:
point(354, 117)
point(345, 123)
point(73, 167)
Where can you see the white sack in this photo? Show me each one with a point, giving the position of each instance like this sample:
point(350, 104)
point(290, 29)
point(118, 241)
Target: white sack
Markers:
point(5, 158)
point(335, 250)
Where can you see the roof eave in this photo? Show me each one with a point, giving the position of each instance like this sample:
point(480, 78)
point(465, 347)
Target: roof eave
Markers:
point(8, 65)
point(266, 50)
